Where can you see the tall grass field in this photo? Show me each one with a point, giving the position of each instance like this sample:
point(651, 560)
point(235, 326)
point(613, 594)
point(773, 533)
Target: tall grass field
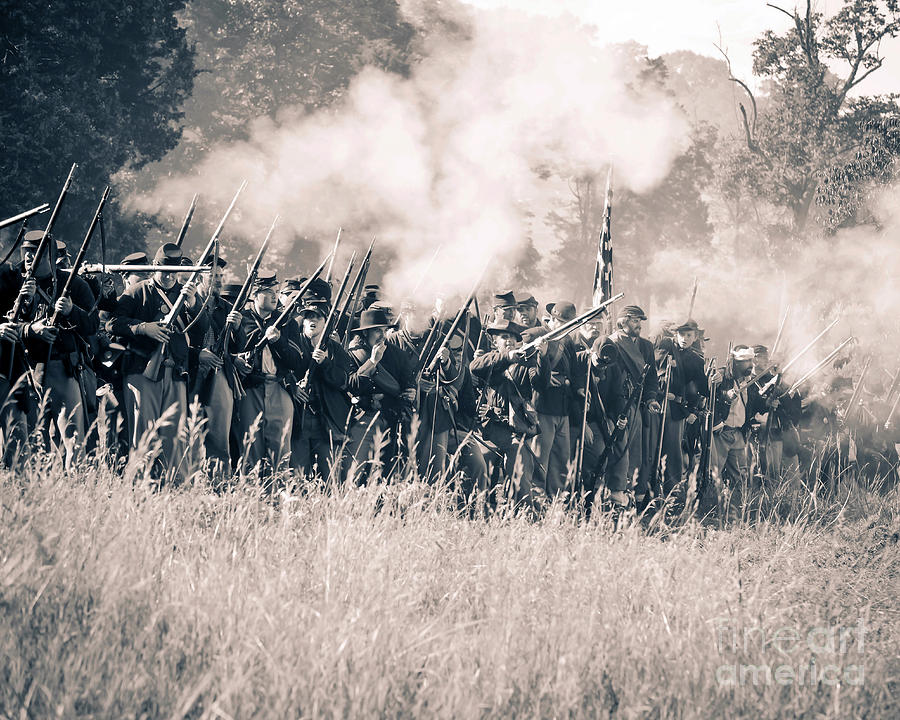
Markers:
point(122, 600)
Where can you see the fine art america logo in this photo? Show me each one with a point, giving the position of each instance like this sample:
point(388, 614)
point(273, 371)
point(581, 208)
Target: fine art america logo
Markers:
point(827, 655)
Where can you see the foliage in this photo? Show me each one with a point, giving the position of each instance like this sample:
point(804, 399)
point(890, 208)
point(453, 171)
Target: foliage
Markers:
point(97, 83)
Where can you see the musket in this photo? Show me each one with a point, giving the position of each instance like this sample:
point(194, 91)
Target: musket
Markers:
point(579, 460)
point(351, 301)
point(25, 215)
point(710, 423)
point(657, 485)
point(337, 242)
point(430, 366)
point(693, 298)
point(42, 245)
point(570, 325)
point(141, 269)
point(822, 363)
point(772, 366)
point(15, 243)
point(857, 391)
point(187, 221)
point(289, 306)
point(780, 331)
point(153, 364)
point(73, 271)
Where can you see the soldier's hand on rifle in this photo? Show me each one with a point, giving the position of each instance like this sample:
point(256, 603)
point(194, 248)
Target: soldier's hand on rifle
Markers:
point(63, 306)
point(29, 288)
point(209, 360)
point(241, 364)
point(445, 355)
point(717, 377)
point(190, 292)
point(671, 396)
point(691, 419)
point(320, 355)
point(773, 403)
point(234, 318)
point(155, 331)
point(273, 334)
point(301, 394)
point(478, 353)
point(622, 422)
point(595, 359)
point(654, 406)
point(45, 332)
point(378, 353)
point(409, 394)
point(10, 331)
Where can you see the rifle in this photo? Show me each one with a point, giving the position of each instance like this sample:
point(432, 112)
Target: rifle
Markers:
point(429, 367)
point(15, 243)
point(351, 302)
point(780, 330)
point(822, 363)
point(144, 269)
point(657, 484)
point(13, 314)
point(187, 221)
point(706, 451)
point(73, 271)
point(291, 304)
point(693, 298)
point(337, 242)
point(24, 215)
point(857, 391)
point(153, 364)
point(570, 325)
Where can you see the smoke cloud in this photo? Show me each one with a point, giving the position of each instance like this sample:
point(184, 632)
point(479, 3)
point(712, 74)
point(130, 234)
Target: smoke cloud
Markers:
point(453, 159)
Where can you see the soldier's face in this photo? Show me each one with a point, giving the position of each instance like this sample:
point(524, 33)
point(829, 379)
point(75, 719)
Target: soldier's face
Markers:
point(313, 324)
point(43, 269)
point(131, 279)
point(527, 314)
point(685, 339)
point(504, 313)
point(375, 336)
point(214, 281)
point(505, 342)
point(632, 326)
point(165, 280)
point(265, 300)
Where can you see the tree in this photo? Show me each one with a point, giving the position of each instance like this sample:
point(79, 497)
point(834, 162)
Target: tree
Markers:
point(810, 120)
point(98, 83)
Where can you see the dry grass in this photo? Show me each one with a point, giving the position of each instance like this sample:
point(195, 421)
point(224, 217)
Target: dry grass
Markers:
point(118, 600)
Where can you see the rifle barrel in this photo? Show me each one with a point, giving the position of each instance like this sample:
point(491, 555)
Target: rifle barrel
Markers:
point(822, 363)
point(187, 221)
point(24, 215)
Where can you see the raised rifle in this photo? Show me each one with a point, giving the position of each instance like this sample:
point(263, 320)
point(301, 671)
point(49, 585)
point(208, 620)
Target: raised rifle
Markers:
point(656, 469)
point(151, 372)
point(334, 250)
point(292, 303)
point(187, 221)
point(24, 215)
point(857, 391)
point(822, 363)
point(703, 468)
point(351, 301)
point(570, 325)
point(144, 269)
point(73, 271)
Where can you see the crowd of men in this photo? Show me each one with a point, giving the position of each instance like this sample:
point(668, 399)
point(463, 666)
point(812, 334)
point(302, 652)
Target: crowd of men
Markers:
point(599, 413)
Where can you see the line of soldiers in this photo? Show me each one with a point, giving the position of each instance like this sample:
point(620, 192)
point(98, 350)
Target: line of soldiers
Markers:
point(600, 413)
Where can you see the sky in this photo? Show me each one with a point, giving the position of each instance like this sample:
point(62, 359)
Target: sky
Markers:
point(668, 25)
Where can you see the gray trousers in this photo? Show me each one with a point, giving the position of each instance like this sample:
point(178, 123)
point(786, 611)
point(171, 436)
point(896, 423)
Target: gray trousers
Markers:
point(271, 443)
point(551, 447)
point(630, 452)
point(146, 401)
point(729, 456)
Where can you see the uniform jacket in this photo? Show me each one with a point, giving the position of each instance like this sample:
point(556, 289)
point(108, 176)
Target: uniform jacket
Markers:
point(688, 382)
point(327, 383)
point(389, 378)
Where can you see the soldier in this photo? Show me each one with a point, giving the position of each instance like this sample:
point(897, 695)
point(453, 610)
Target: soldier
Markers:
point(323, 403)
point(138, 320)
point(733, 414)
point(268, 361)
point(686, 383)
point(383, 383)
point(506, 415)
point(51, 357)
point(504, 306)
point(551, 381)
point(218, 383)
point(779, 413)
point(638, 363)
point(527, 312)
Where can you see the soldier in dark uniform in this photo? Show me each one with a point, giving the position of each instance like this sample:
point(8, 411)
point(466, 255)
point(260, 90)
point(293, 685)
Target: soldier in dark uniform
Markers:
point(733, 413)
point(138, 320)
point(527, 312)
point(638, 363)
point(268, 363)
point(383, 384)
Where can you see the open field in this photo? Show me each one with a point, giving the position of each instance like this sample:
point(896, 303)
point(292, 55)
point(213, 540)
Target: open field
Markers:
point(120, 601)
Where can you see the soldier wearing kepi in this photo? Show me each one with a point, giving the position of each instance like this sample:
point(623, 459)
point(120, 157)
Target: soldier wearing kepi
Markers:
point(729, 451)
point(527, 312)
point(33, 342)
point(506, 415)
point(551, 382)
point(687, 386)
point(268, 363)
point(138, 321)
point(638, 363)
point(383, 383)
point(323, 403)
point(218, 383)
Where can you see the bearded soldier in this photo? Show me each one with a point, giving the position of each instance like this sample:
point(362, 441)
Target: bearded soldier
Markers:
point(638, 363)
point(138, 320)
point(267, 362)
point(527, 312)
point(506, 415)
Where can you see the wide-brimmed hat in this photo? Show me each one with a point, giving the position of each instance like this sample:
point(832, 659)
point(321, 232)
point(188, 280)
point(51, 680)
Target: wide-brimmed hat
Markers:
point(373, 318)
point(505, 326)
